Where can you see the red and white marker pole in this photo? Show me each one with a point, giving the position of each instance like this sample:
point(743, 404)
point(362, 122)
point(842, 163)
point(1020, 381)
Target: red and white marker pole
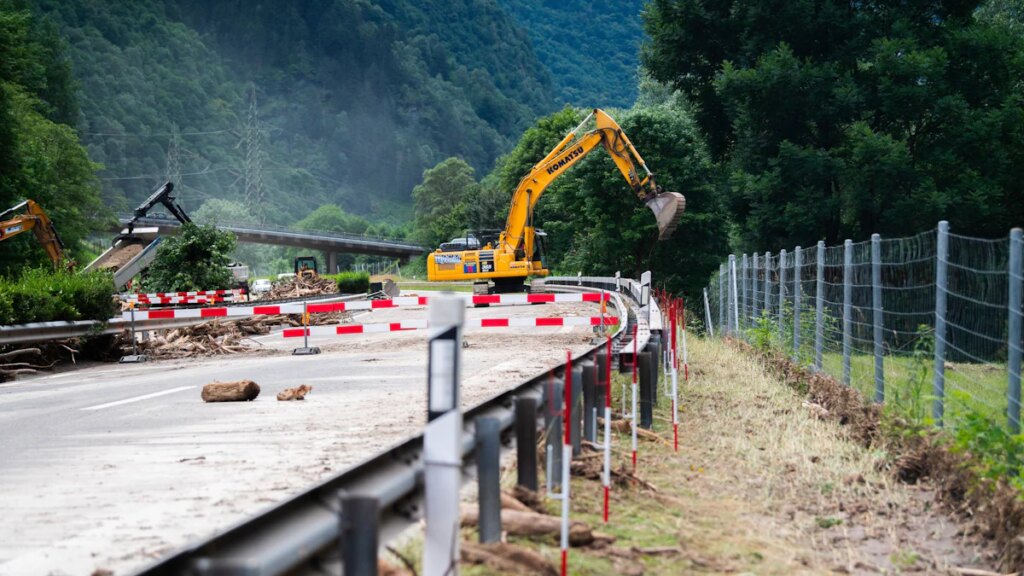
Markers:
point(675, 384)
point(607, 476)
point(686, 360)
point(566, 461)
point(635, 390)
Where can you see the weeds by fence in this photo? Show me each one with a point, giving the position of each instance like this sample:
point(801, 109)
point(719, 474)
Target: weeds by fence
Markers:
point(929, 325)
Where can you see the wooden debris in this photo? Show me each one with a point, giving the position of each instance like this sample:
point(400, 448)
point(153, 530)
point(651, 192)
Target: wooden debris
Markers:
point(225, 337)
point(531, 524)
point(294, 393)
point(237, 391)
point(509, 502)
point(298, 287)
point(623, 426)
point(506, 558)
point(532, 500)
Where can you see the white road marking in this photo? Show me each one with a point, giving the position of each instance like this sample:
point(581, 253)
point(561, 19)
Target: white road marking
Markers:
point(138, 398)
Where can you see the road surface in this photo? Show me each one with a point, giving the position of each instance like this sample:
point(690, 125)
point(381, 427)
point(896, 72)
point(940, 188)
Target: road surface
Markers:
point(112, 466)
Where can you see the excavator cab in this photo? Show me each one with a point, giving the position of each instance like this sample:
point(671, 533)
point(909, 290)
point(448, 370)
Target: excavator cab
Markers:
point(305, 268)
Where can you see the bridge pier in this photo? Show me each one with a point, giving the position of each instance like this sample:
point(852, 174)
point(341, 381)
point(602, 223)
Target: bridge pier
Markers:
point(332, 262)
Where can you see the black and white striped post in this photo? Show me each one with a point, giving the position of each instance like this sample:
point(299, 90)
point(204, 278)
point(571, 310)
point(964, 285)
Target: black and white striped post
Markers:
point(442, 439)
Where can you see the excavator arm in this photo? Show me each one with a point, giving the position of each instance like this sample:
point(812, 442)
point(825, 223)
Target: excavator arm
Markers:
point(668, 207)
point(30, 216)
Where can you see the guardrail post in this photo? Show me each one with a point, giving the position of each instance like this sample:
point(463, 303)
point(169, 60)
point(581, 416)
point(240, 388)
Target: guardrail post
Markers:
point(653, 344)
point(589, 401)
point(646, 394)
point(782, 294)
point(755, 311)
point(553, 424)
point(360, 527)
point(576, 412)
point(488, 477)
point(798, 259)
point(602, 359)
point(526, 443)
point(876, 305)
point(746, 292)
point(819, 306)
point(1013, 344)
point(442, 439)
point(939, 384)
point(847, 308)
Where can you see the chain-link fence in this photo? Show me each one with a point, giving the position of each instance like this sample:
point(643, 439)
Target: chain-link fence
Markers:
point(928, 324)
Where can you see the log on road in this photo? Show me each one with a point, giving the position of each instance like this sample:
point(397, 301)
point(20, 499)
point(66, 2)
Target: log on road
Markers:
point(237, 391)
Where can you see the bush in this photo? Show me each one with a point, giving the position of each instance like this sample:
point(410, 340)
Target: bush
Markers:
point(44, 295)
point(351, 282)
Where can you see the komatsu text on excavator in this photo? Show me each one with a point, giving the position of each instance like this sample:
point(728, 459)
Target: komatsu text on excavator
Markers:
point(515, 254)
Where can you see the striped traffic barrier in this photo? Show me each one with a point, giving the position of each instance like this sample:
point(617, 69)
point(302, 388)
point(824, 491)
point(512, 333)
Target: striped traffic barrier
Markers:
point(327, 307)
point(154, 295)
point(532, 322)
point(181, 300)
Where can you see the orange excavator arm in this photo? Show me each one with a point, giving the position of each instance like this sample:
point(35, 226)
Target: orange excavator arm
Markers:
point(30, 216)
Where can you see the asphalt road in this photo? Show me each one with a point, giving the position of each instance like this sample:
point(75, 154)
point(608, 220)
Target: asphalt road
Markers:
point(112, 466)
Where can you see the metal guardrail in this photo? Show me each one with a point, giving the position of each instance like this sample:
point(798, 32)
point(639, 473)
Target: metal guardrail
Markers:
point(43, 331)
point(305, 531)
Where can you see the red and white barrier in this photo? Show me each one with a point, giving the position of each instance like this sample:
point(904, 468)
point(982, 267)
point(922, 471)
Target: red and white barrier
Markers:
point(156, 295)
point(400, 302)
point(343, 329)
point(181, 300)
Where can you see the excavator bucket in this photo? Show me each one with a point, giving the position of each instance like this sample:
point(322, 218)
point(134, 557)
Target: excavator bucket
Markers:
point(668, 209)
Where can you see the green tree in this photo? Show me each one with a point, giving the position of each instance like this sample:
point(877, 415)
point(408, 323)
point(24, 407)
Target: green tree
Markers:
point(837, 119)
point(442, 202)
point(195, 259)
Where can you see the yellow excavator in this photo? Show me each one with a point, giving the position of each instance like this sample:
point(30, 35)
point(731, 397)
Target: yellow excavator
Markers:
point(516, 253)
point(30, 216)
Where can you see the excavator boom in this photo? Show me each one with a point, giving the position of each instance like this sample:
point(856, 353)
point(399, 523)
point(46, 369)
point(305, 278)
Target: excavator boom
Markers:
point(30, 216)
point(514, 255)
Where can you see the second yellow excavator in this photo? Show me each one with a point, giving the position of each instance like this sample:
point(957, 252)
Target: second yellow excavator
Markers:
point(515, 254)
point(30, 216)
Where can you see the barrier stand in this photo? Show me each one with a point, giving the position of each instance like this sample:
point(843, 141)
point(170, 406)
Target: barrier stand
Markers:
point(442, 439)
point(134, 356)
point(607, 476)
point(305, 350)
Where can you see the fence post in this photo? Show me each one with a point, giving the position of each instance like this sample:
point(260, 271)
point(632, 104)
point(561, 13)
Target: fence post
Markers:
point(767, 284)
point(360, 527)
point(488, 477)
point(847, 309)
point(707, 312)
point(939, 385)
point(746, 291)
point(733, 295)
point(442, 439)
point(798, 258)
point(755, 312)
point(721, 298)
point(876, 304)
point(1013, 346)
point(526, 443)
point(819, 306)
point(782, 293)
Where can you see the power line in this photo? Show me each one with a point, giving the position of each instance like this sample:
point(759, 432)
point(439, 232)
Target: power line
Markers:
point(157, 134)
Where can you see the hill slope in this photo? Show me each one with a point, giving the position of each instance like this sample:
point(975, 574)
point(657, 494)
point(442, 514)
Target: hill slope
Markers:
point(354, 98)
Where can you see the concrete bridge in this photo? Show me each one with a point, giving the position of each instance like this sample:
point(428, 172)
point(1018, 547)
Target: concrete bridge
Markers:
point(331, 243)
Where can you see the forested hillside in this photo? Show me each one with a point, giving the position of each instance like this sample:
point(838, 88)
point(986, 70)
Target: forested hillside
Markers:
point(353, 98)
point(40, 157)
point(590, 47)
